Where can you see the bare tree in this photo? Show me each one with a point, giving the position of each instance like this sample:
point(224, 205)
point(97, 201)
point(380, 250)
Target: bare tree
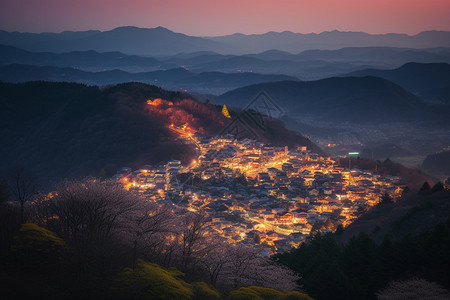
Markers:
point(192, 238)
point(23, 186)
point(93, 211)
point(151, 229)
point(215, 260)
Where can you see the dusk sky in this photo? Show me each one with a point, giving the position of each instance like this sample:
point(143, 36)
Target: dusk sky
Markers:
point(208, 17)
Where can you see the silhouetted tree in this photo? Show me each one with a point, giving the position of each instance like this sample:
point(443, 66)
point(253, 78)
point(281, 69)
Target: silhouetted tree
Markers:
point(425, 188)
point(386, 199)
point(438, 187)
point(405, 190)
point(23, 186)
point(4, 193)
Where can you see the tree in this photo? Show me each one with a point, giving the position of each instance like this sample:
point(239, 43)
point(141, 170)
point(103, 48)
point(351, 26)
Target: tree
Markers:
point(10, 222)
point(4, 193)
point(246, 267)
point(386, 199)
point(192, 238)
point(23, 186)
point(151, 229)
point(257, 239)
point(92, 214)
point(413, 289)
point(425, 188)
point(438, 187)
point(215, 260)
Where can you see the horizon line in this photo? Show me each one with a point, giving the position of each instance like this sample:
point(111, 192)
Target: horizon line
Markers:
point(236, 33)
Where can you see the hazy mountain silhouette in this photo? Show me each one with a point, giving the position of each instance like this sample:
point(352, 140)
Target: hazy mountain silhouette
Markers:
point(296, 42)
point(129, 40)
point(87, 60)
point(414, 77)
point(346, 99)
point(377, 55)
point(308, 65)
point(176, 79)
point(161, 41)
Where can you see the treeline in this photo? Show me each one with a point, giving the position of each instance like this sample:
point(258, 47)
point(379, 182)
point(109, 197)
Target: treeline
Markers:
point(92, 239)
point(363, 269)
point(411, 177)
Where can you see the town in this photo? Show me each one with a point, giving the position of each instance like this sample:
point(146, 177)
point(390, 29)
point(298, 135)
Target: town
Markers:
point(271, 198)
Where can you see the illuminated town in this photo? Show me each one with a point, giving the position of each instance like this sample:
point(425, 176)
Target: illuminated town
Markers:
point(252, 193)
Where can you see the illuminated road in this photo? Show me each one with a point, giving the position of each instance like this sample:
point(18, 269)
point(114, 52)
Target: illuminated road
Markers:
point(188, 136)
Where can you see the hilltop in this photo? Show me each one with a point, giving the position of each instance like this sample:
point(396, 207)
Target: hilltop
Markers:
point(64, 130)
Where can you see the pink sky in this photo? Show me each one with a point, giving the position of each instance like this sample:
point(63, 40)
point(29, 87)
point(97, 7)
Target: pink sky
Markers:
point(218, 17)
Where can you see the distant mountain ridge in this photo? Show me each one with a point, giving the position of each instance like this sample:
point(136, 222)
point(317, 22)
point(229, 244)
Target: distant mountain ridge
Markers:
point(174, 79)
point(87, 60)
point(162, 41)
point(347, 99)
point(307, 65)
point(331, 40)
point(415, 77)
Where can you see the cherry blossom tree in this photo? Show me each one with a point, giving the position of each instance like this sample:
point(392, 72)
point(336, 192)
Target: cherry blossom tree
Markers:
point(246, 267)
point(415, 288)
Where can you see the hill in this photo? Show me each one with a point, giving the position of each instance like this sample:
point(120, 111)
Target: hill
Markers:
point(414, 77)
point(413, 214)
point(174, 79)
point(66, 130)
point(349, 99)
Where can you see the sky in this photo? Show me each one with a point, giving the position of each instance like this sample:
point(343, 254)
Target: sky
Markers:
point(221, 17)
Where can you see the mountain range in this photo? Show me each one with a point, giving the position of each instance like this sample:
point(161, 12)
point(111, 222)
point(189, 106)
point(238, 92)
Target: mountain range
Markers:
point(173, 79)
point(161, 41)
point(415, 77)
point(307, 65)
point(422, 79)
point(344, 99)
